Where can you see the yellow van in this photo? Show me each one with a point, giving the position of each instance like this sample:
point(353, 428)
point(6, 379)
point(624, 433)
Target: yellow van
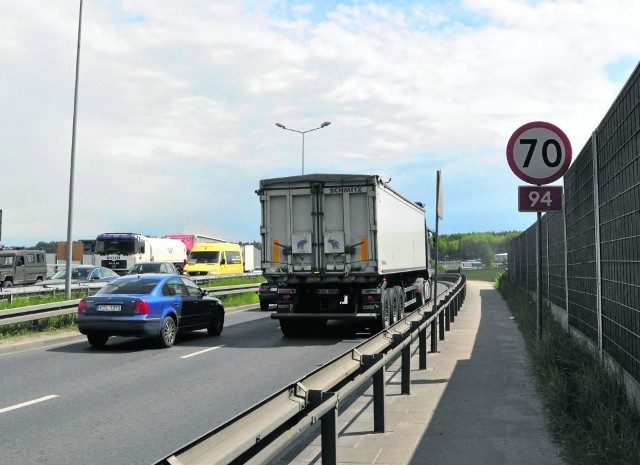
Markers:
point(217, 258)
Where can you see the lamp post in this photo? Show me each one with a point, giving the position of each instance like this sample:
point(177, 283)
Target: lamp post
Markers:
point(67, 278)
point(323, 125)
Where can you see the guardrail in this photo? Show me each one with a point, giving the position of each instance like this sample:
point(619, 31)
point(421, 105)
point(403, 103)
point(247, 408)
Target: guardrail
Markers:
point(263, 432)
point(41, 311)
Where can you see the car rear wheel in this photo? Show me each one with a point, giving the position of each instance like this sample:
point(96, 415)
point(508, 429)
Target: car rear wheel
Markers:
point(168, 332)
point(97, 339)
point(216, 325)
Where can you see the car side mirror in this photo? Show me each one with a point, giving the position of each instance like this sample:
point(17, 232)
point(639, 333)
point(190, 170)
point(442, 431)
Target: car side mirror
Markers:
point(204, 292)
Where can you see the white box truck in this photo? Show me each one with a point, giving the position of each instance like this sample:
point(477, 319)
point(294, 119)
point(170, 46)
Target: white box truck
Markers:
point(342, 247)
point(251, 258)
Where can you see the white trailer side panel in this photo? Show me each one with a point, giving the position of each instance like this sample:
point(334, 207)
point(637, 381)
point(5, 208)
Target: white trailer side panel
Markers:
point(401, 233)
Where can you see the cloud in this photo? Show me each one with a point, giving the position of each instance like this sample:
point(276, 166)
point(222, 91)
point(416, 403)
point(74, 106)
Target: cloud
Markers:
point(178, 100)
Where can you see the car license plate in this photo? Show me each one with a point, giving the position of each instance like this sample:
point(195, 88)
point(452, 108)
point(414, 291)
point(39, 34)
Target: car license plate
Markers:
point(109, 308)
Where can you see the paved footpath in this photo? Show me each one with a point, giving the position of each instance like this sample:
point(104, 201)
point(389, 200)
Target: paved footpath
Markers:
point(475, 404)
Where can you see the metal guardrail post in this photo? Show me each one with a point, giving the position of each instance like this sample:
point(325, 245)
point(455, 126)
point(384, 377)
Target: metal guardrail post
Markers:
point(329, 431)
point(328, 426)
point(452, 309)
point(406, 370)
point(447, 317)
point(441, 326)
point(457, 303)
point(434, 336)
point(378, 392)
point(422, 345)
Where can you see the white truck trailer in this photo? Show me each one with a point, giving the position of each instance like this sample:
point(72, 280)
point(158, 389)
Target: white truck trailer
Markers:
point(342, 247)
point(120, 251)
point(251, 258)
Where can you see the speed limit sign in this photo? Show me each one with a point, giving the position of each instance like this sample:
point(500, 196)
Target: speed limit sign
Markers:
point(539, 152)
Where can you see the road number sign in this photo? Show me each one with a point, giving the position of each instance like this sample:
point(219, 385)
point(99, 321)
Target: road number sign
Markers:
point(539, 198)
point(539, 152)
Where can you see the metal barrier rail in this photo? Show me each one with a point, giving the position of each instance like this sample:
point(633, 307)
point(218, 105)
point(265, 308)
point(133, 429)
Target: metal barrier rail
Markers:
point(38, 312)
point(264, 431)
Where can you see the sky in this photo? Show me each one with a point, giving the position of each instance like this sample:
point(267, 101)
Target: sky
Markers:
point(178, 102)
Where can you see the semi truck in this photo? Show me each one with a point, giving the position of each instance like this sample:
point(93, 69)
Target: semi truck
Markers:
point(120, 251)
point(342, 247)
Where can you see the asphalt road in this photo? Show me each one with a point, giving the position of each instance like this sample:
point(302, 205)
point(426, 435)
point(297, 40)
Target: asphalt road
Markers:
point(132, 403)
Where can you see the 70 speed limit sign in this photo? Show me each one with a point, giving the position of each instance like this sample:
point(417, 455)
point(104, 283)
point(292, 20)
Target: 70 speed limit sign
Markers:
point(539, 152)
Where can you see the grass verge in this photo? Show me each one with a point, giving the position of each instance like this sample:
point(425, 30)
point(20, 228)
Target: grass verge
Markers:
point(484, 274)
point(590, 414)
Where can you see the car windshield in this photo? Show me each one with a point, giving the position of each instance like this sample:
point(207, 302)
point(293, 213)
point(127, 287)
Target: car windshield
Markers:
point(137, 286)
point(145, 268)
point(76, 273)
point(6, 261)
point(204, 257)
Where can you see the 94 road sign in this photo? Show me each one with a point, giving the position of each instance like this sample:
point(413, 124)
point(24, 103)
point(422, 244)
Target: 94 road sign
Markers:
point(539, 198)
point(539, 153)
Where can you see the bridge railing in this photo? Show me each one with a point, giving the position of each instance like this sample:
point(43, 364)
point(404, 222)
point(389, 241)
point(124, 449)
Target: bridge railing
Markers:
point(264, 431)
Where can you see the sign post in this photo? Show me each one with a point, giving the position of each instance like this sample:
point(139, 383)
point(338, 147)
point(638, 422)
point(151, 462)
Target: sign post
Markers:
point(539, 153)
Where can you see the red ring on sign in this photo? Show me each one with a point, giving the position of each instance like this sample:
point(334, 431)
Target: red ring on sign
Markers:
point(557, 131)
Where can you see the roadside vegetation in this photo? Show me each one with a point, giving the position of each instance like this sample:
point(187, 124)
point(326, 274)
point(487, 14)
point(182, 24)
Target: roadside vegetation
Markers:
point(68, 322)
point(484, 274)
point(591, 415)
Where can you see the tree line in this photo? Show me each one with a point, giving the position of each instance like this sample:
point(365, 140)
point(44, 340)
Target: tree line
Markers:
point(471, 246)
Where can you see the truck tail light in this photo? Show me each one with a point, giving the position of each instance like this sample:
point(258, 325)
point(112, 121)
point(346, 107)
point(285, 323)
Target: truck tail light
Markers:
point(372, 295)
point(82, 307)
point(141, 307)
point(286, 294)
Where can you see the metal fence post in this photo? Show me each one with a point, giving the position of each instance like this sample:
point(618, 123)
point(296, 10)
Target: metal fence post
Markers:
point(441, 326)
point(405, 385)
point(329, 431)
point(447, 317)
point(378, 391)
point(596, 225)
point(378, 400)
point(434, 336)
point(422, 344)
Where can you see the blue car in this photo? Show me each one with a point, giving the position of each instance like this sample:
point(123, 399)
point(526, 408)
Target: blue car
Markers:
point(149, 305)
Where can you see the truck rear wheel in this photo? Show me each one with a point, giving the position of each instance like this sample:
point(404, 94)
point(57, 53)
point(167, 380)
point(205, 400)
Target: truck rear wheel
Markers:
point(398, 303)
point(386, 304)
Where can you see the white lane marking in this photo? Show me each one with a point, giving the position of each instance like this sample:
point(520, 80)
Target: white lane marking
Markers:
point(193, 354)
point(26, 404)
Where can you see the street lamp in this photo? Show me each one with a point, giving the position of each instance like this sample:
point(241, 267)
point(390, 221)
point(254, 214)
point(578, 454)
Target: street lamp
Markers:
point(323, 125)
